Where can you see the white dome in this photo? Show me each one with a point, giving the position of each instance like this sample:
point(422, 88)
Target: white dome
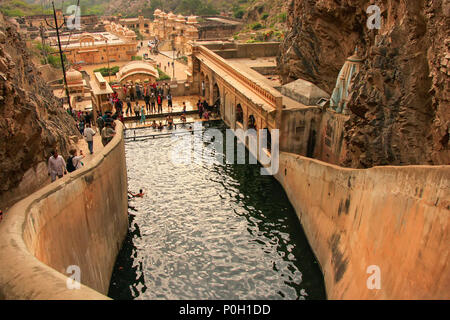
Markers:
point(73, 75)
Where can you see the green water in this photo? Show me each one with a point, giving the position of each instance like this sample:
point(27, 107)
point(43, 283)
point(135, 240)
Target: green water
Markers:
point(210, 232)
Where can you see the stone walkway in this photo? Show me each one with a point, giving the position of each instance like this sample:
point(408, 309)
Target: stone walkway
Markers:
point(82, 145)
point(180, 74)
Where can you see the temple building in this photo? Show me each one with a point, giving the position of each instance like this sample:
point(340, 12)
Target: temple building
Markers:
point(118, 44)
point(100, 90)
point(177, 31)
point(36, 25)
point(75, 82)
point(140, 23)
point(137, 71)
point(339, 98)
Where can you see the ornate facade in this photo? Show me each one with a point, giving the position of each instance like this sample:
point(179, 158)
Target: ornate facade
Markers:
point(118, 44)
point(177, 31)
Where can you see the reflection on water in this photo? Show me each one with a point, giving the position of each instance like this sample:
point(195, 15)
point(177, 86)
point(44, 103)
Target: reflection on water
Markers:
point(210, 232)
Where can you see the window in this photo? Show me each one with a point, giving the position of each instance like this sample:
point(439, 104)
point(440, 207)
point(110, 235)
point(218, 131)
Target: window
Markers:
point(251, 122)
point(239, 114)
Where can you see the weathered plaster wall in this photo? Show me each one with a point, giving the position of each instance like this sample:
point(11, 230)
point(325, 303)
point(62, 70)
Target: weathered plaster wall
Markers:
point(244, 50)
point(394, 217)
point(79, 220)
point(331, 146)
point(299, 130)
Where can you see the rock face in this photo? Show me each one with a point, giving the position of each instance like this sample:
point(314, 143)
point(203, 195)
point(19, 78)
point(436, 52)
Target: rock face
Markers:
point(32, 122)
point(400, 99)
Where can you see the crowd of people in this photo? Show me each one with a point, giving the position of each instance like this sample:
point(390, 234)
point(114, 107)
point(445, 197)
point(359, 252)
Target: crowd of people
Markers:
point(153, 95)
point(58, 166)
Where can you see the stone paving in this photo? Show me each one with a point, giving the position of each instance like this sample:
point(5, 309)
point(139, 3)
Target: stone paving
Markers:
point(82, 145)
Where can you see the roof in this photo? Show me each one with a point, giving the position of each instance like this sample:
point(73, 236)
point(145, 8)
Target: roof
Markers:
point(137, 67)
point(95, 85)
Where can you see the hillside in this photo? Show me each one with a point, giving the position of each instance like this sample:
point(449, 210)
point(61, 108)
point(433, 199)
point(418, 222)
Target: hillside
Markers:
point(19, 8)
point(32, 122)
point(400, 105)
point(133, 8)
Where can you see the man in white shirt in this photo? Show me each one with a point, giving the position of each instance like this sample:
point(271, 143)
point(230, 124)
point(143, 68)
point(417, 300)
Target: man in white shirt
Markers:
point(89, 134)
point(56, 166)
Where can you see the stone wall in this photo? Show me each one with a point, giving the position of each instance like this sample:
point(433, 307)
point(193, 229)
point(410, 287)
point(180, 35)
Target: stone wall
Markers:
point(399, 101)
point(245, 50)
point(396, 218)
point(299, 130)
point(32, 121)
point(79, 220)
point(331, 146)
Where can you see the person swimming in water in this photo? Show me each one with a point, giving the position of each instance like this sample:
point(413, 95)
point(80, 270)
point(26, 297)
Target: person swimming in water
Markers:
point(183, 119)
point(169, 121)
point(137, 195)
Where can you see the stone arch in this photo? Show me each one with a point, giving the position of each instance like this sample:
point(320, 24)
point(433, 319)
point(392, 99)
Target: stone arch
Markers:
point(207, 90)
point(227, 112)
point(216, 93)
point(269, 138)
point(202, 85)
point(251, 121)
point(87, 40)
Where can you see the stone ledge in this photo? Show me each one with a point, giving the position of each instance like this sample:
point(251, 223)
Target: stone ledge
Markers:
point(23, 276)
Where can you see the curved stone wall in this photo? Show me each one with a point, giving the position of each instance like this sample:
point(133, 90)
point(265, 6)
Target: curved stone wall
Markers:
point(80, 220)
point(393, 218)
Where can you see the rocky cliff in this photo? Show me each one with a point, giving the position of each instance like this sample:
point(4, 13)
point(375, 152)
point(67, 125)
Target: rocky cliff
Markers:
point(400, 111)
point(32, 122)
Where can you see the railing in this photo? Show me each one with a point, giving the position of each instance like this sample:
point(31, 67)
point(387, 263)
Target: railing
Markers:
point(273, 99)
point(171, 133)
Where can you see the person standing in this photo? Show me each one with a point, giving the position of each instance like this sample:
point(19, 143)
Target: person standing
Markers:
point(89, 134)
point(128, 111)
point(159, 100)
point(138, 92)
point(81, 126)
point(119, 106)
point(136, 109)
point(200, 110)
point(87, 118)
point(56, 166)
point(153, 102)
point(132, 90)
point(147, 101)
point(165, 89)
point(142, 115)
point(76, 160)
point(108, 133)
point(169, 103)
point(100, 122)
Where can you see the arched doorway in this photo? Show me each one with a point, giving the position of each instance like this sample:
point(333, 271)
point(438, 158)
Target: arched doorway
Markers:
point(202, 84)
point(251, 122)
point(239, 114)
point(269, 139)
point(227, 109)
point(206, 90)
point(216, 94)
point(216, 99)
